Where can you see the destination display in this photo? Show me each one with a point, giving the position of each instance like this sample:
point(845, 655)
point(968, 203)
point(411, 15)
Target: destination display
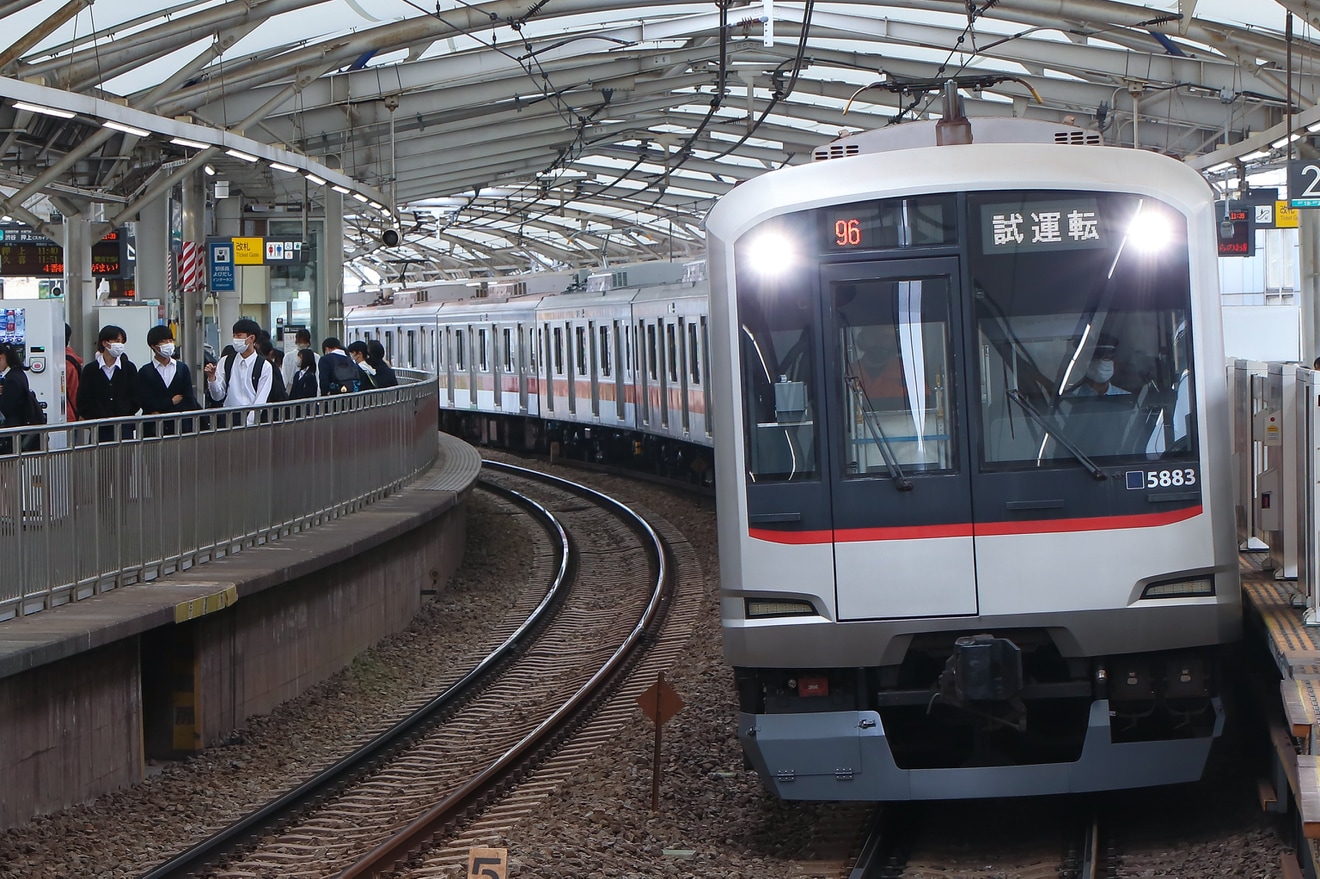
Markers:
point(24, 253)
point(1042, 225)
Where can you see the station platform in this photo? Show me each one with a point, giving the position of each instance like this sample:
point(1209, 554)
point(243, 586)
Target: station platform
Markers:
point(91, 689)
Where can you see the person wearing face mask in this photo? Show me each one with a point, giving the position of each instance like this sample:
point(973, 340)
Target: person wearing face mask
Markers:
point(1099, 375)
point(357, 352)
point(108, 386)
point(166, 383)
point(244, 377)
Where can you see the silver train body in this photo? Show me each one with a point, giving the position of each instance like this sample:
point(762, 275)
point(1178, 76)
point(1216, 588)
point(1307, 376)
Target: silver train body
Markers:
point(975, 523)
point(616, 371)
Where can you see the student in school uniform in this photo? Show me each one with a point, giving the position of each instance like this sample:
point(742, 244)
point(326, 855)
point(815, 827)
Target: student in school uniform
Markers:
point(108, 386)
point(166, 384)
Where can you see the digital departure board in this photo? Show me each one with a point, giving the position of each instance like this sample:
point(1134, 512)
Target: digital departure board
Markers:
point(26, 254)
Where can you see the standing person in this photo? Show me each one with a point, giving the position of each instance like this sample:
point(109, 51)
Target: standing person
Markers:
point(304, 385)
point(13, 393)
point(108, 386)
point(358, 352)
point(73, 365)
point(384, 377)
point(278, 389)
point(166, 383)
point(303, 340)
point(244, 377)
point(337, 373)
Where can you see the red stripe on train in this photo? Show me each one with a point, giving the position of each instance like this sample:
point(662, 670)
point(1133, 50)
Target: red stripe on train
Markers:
point(985, 529)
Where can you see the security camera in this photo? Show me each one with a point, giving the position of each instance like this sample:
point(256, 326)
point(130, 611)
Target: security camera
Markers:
point(1226, 228)
point(390, 237)
point(391, 102)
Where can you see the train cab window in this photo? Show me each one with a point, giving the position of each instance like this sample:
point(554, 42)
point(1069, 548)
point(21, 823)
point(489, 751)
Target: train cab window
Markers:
point(895, 358)
point(559, 351)
point(606, 358)
point(671, 352)
point(580, 348)
point(1083, 329)
point(777, 361)
point(694, 361)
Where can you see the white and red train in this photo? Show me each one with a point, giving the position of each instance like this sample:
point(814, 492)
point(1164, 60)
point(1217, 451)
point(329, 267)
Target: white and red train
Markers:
point(613, 368)
point(975, 518)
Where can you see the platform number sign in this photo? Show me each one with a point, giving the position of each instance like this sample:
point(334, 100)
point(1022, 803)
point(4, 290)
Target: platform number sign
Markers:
point(1304, 184)
point(488, 863)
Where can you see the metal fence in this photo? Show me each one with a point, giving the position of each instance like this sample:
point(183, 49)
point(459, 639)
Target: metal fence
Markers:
point(92, 506)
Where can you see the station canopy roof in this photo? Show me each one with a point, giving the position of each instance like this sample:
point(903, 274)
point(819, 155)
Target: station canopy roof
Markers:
point(519, 135)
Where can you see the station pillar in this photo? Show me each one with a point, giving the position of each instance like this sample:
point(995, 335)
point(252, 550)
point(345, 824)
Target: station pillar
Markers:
point(79, 285)
point(193, 232)
point(228, 224)
point(151, 279)
point(1308, 232)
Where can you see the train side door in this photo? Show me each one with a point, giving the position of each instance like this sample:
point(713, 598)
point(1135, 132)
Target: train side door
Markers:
point(900, 488)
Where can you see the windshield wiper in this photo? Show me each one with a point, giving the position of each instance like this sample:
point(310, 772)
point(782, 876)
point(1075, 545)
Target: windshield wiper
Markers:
point(901, 482)
point(1017, 397)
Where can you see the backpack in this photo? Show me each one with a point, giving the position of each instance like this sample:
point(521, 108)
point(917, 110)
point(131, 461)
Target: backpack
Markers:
point(36, 413)
point(278, 392)
point(346, 374)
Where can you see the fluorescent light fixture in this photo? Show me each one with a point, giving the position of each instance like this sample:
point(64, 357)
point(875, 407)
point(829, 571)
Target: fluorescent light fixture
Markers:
point(280, 166)
point(378, 206)
point(1284, 141)
point(192, 144)
point(127, 129)
point(209, 169)
point(360, 197)
point(1258, 154)
point(48, 111)
point(239, 154)
point(342, 190)
point(312, 178)
point(1222, 166)
point(1313, 127)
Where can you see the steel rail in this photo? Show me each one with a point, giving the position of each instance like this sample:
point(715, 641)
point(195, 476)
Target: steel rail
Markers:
point(232, 836)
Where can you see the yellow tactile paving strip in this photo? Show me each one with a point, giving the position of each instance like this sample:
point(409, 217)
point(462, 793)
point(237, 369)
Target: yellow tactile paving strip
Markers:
point(1297, 645)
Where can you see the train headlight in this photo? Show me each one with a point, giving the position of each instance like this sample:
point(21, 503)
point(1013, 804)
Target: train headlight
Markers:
point(1151, 230)
point(770, 253)
point(1200, 587)
point(761, 608)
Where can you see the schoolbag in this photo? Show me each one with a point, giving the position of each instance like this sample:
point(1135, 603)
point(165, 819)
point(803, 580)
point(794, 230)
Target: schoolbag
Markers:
point(346, 374)
point(278, 392)
point(35, 414)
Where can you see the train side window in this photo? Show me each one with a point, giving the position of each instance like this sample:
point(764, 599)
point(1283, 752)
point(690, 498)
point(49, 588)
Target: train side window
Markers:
point(694, 360)
point(652, 354)
point(559, 351)
point(671, 351)
point(606, 358)
point(580, 341)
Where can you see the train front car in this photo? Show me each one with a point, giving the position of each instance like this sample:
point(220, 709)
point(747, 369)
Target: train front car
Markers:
point(975, 519)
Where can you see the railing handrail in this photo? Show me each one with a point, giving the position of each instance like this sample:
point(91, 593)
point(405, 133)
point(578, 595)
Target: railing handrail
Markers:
point(94, 505)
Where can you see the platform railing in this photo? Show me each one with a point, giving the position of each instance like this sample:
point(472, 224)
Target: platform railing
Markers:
point(93, 506)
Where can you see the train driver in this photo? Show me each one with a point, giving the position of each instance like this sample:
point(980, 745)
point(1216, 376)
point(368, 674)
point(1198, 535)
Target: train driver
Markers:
point(1098, 381)
point(877, 364)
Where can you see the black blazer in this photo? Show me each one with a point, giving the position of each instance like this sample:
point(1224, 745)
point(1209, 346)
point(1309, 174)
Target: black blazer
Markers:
point(98, 397)
point(159, 399)
point(384, 377)
point(14, 397)
point(304, 385)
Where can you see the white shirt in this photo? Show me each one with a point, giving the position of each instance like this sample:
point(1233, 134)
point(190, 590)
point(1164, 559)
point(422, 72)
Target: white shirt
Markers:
point(239, 391)
point(108, 370)
point(166, 369)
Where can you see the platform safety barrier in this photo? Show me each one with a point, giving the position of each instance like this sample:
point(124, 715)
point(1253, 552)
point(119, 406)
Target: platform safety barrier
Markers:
point(93, 506)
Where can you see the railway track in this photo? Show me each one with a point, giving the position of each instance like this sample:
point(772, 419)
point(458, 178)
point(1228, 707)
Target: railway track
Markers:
point(431, 772)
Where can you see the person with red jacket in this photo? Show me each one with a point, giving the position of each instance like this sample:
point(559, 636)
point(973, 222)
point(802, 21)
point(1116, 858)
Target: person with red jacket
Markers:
point(73, 365)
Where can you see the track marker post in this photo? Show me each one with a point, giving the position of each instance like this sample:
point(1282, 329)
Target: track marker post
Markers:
point(659, 702)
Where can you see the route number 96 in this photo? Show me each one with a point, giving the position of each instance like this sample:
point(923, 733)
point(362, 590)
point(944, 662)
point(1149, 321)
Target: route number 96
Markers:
point(1170, 478)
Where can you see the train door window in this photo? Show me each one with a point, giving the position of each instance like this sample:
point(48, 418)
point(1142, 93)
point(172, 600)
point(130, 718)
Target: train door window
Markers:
point(652, 354)
point(640, 372)
point(671, 350)
point(412, 349)
point(482, 363)
point(508, 349)
point(593, 366)
point(606, 361)
point(895, 358)
point(559, 351)
point(580, 338)
point(694, 360)
point(459, 353)
point(619, 371)
point(1083, 346)
point(548, 358)
point(705, 364)
point(389, 346)
point(679, 368)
